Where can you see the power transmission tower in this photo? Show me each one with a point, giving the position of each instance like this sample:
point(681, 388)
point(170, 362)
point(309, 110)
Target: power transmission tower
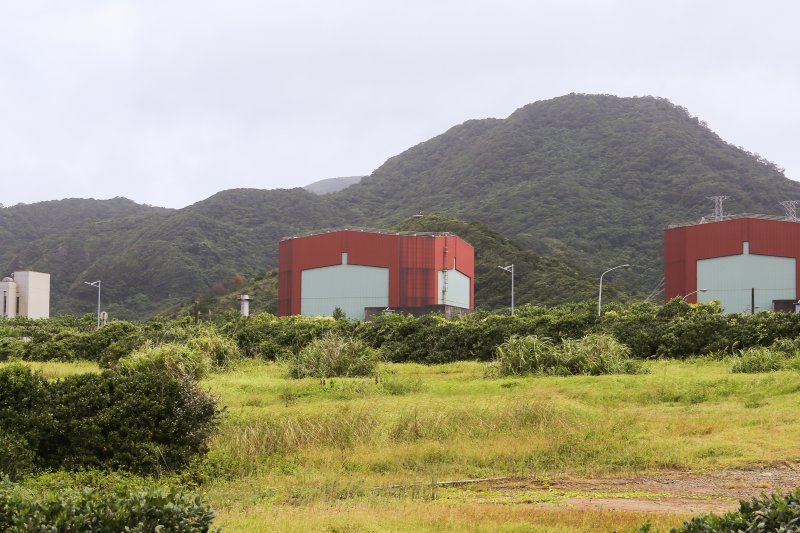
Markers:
point(718, 212)
point(791, 209)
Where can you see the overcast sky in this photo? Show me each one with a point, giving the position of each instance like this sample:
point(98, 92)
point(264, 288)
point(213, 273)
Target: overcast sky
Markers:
point(168, 101)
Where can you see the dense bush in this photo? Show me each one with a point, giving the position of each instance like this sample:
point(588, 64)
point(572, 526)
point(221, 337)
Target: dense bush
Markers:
point(26, 418)
point(677, 330)
point(140, 419)
point(94, 510)
point(594, 354)
point(333, 356)
point(776, 512)
point(176, 360)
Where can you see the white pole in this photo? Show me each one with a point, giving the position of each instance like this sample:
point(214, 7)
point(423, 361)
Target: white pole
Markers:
point(512, 289)
point(96, 284)
point(600, 294)
point(510, 268)
point(98, 304)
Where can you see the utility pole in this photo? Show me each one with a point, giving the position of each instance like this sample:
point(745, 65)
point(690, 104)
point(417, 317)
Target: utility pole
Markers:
point(96, 284)
point(510, 268)
point(600, 293)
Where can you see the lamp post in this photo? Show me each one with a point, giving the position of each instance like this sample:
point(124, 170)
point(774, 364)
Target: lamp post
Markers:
point(600, 294)
point(510, 268)
point(694, 292)
point(96, 284)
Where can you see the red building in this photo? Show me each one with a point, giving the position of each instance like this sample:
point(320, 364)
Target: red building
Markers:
point(354, 270)
point(747, 262)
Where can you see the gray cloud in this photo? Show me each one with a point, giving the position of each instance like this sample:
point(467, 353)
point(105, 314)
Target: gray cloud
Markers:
point(169, 102)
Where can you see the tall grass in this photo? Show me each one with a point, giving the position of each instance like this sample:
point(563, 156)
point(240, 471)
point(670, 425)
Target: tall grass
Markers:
point(593, 355)
point(781, 355)
point(333, 355)
point(177, 360)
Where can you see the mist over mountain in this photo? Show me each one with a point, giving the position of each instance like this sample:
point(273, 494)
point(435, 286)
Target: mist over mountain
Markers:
point(330, 185)
point(585, 182)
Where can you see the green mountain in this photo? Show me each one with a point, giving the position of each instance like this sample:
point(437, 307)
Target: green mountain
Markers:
point(148, 262)
point(330, 185)
point(23, 223)
point(590, 179)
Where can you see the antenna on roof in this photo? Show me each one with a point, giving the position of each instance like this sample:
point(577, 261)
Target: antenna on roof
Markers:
point(791, 209)
point(718, 212)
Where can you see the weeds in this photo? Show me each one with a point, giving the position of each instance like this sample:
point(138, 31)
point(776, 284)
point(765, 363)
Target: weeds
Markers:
point(334, 356)
point(594, 354)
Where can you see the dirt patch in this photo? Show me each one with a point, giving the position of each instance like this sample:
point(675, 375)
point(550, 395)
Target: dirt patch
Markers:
point(671, 492)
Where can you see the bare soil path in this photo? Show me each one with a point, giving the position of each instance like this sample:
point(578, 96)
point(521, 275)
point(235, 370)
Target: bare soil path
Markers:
point(675, 492)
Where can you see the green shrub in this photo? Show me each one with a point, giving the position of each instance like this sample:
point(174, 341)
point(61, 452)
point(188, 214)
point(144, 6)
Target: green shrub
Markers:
point(144, 420)
point(524, 355)
point(334, 356)
point(593, 354)
point(25, 407)
point(11, 348)
point(92, 510)
point(775, 512)
point(16, 457)
point(597, 354)
point(219, 350)
point(786, 347)
point(758, 359)
point(177, 360)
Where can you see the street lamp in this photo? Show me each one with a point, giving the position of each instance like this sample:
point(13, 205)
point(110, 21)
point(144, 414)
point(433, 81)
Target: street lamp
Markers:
point(600, 294)
point(510, 268)
point(96, 284)
point(695, 292)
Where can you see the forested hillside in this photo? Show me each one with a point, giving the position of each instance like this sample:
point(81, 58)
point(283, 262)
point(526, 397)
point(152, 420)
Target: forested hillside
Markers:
point(592, 179)
point(23, 223)
point(149, 262)
point(539, 280)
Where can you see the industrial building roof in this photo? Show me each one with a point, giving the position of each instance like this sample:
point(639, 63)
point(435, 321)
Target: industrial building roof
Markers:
point(709, 219)
point(373, 230)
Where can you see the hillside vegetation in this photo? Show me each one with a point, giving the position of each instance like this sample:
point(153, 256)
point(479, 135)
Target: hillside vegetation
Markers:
point(539, 280)
point(592, 179)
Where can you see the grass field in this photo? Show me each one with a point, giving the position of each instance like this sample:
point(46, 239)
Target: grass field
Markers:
point(361, 454)
point(302, 453)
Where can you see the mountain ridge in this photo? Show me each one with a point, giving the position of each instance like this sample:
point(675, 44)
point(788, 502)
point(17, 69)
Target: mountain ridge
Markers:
point(587, 179)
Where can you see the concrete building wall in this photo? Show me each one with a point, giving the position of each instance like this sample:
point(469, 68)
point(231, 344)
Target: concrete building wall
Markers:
point(33, 289)
point(731, 280)
point(8, 299)
point(459, 289)
point(349, 287)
